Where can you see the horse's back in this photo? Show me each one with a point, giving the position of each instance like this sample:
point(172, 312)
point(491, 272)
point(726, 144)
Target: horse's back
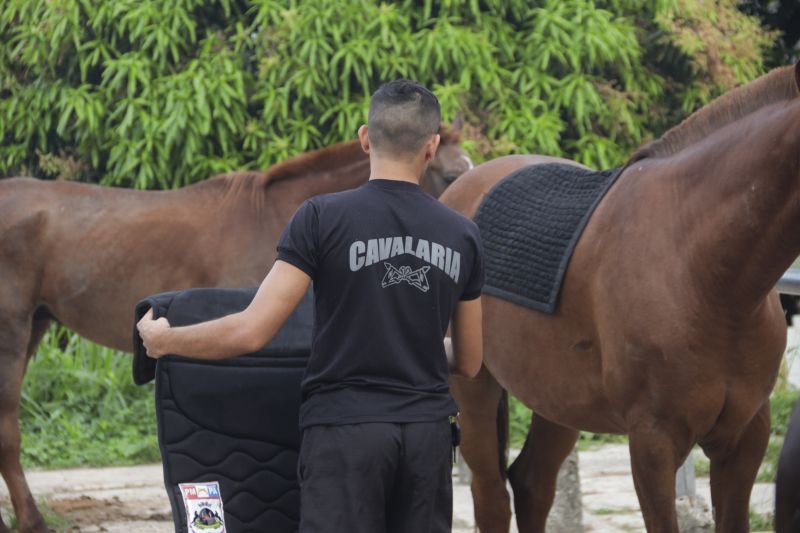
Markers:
point(17, 181)
point(16, 186)
point(467, 192)
point(21, 202)
point(55, 210)
point(25, 193)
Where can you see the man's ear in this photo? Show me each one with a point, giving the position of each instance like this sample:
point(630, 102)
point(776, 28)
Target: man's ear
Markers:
point(363, 137)
point(431, 146)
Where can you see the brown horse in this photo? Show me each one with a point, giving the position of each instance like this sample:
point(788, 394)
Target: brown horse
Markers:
point(83, 255)
point(668, 329)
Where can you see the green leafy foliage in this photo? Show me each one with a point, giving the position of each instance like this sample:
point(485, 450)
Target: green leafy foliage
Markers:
point(784, 17)
point(80, 407)
point(720, 46)
point(761, 522)
point(162, 93)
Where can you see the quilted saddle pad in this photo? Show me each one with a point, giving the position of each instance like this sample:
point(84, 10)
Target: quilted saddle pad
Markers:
point(530, 222)
point(233, 421)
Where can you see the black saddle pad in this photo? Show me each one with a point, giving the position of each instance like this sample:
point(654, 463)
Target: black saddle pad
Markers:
point(233, 421)
point(191, 306)
point(530, 222)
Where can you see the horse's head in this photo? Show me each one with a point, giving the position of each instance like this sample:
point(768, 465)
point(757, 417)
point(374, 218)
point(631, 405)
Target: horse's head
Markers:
point(450, 162)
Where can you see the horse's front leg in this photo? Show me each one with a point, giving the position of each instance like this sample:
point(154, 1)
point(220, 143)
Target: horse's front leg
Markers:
point(656, 453)
point(534, 473)
point(479, 399)
point(734, 466)
point(18, 338)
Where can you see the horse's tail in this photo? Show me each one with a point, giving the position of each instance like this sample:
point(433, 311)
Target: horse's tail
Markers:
point(502, 434)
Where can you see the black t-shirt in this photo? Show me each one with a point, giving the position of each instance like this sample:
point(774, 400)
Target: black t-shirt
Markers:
point(389, 264)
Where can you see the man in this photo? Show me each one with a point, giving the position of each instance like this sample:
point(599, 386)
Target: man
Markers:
point(391, 266)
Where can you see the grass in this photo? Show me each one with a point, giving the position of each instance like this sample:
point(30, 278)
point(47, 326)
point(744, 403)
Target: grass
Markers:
point(760, 522)
point(605, 512)
point(80, 407)
point(617, 511)
point(702, 466)
point(55, 521)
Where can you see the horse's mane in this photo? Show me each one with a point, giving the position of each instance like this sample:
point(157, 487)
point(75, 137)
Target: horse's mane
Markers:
point(777, 85)
point(251, 183)
point(316, 161)
point(304, 164)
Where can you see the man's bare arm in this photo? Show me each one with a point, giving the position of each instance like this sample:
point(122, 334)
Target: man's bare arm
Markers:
point(235, 334)
point(465, 354)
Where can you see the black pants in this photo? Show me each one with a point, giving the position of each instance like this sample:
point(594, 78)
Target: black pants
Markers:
point(376, 478)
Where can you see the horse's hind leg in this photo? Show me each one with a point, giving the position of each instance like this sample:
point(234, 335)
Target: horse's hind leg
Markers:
point(483, 449)
point(534, 473)
point(733, 471)
point(18, 337)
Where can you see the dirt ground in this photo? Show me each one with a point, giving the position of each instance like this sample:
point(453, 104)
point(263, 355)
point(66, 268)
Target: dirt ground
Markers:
point(133, 499)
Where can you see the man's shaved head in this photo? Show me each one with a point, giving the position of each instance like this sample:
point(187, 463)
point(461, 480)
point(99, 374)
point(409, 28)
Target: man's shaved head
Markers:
point(402, 117)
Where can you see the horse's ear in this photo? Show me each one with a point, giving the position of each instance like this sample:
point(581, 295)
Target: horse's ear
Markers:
point(458, 123)
point(797, 74)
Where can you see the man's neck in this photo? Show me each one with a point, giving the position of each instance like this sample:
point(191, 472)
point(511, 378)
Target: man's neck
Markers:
point(387, 169)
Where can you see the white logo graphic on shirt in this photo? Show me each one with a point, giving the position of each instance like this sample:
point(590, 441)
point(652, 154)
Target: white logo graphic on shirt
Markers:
point(415, 278)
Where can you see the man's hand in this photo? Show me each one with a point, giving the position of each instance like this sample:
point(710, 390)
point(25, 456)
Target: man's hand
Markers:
point(237, 333)
point(151, 331)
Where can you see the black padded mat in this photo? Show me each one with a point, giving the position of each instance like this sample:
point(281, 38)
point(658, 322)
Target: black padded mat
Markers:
point(191, 306)
point(234, 421)
point(530, 222)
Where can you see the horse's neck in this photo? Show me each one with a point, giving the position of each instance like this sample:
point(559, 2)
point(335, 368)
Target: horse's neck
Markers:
point(743, 195)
